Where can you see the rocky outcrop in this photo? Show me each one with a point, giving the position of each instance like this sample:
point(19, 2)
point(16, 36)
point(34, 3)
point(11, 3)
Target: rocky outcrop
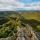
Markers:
point(26, 34)
point(8, 38)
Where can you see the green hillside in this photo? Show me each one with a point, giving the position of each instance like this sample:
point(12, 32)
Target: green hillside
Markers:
point(10, 22)
point(31, 15)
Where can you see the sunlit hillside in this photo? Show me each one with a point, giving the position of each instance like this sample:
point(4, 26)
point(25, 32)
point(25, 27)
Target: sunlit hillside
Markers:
point(15, 23)
point(31, 15)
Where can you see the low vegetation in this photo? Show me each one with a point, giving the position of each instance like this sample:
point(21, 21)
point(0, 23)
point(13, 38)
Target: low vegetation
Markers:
point(9, 25)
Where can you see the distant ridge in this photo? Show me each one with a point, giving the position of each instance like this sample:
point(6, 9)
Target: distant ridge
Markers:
point(6, 13)
point(28, 10)
point(22, 11)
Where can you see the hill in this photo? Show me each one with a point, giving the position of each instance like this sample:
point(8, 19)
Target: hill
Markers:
point(11, 22)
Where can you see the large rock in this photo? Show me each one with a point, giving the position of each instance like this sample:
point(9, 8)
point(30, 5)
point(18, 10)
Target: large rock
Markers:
point(23, 34)
point(26, 34)
point(8, 38)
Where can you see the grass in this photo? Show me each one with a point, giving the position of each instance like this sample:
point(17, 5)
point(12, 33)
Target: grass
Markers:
point(32, 16)
point(15, 21)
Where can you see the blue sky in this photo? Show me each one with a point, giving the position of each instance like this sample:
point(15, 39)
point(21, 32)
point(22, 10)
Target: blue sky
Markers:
point(28, 1)
point(13, 5)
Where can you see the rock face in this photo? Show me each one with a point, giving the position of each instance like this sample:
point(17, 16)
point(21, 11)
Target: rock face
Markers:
point(26, 34)
point(23, 34)
point(9, 38)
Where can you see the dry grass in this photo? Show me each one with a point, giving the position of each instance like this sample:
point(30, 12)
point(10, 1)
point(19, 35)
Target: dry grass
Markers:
point(31, 15)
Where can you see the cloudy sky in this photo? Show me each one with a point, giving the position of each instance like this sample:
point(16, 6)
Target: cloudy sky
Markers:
point(13, 5)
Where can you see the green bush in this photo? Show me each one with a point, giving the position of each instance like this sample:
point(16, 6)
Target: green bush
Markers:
point(10, 27)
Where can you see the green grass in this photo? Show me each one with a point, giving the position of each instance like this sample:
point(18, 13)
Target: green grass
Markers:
point(35, 16)
point(16, 21)
point(31, 16)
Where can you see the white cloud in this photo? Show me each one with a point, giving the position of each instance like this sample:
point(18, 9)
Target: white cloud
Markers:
point(35, 6)
point(11, 4)
point(14, 4)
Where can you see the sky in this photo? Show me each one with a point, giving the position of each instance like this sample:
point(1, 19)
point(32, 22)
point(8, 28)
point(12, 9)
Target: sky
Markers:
point(13, 5)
